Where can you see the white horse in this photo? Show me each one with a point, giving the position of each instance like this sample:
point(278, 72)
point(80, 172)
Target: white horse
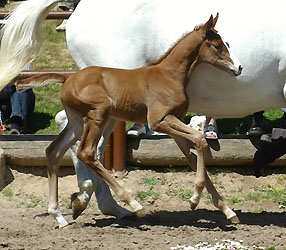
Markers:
point(129, 34)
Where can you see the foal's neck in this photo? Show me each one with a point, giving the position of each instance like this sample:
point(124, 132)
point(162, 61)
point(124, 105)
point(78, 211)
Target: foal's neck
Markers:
point(182, 58)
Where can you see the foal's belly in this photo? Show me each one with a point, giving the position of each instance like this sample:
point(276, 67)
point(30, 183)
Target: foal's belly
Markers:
point(137, 116)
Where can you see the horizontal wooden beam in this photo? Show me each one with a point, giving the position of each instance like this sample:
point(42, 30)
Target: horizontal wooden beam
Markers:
point(29, 150)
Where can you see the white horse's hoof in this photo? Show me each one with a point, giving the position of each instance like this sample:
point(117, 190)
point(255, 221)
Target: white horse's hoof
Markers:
point(58, 216)
point(64, 225)
point(62, 221)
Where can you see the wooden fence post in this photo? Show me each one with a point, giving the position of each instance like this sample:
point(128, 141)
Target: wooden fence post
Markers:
point(108, 154)
point(119, 147)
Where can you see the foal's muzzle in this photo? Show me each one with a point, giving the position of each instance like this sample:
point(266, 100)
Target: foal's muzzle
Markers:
point(237, 72)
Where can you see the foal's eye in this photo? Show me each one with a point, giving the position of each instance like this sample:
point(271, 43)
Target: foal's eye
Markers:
point(218, 47)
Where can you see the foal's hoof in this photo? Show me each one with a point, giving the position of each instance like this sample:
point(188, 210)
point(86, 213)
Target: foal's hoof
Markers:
point(140, 213)
point(234, 220)
point(193, 205)
point(77, 207)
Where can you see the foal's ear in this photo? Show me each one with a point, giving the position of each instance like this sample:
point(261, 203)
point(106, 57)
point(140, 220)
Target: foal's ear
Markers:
point(215, 20)
point(208, 25)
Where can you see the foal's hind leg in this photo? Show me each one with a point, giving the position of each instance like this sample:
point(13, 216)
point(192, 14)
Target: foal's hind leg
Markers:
point(93, 127)
point(89, 181)
point(218, 202)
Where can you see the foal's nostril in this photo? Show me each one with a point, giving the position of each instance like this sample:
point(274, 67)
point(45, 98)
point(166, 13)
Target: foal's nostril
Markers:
point(238, 71)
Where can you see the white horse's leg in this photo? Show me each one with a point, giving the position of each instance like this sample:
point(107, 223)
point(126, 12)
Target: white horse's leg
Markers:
point(54, 153)
point(89, 181)
point(218, 202)
point(106, 203)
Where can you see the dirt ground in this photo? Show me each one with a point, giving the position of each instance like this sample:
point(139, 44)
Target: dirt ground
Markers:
point(24, 223)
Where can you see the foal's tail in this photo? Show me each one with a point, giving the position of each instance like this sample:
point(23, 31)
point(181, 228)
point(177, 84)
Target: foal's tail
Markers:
point(21, 37)
point(39, 80)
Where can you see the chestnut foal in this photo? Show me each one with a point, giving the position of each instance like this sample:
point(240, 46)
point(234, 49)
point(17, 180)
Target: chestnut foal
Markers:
point(155, 95)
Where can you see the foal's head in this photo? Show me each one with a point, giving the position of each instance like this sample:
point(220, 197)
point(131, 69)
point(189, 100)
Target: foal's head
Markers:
point(214, 51)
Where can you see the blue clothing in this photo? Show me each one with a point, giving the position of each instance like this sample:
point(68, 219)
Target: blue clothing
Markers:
point(22, 104)
point(13, 103)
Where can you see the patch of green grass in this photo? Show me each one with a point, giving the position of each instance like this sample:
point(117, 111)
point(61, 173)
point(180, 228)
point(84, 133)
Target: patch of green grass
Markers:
point(272, 248)
point(150, 182)
point(153, 181)
point(255, 197)
point(181, 193)
point(278, 195)
point(186, 196)
point(258, 211)
point(142, 195)
point(233, 200)
point(42, 121)
point(178, 169)
point(31, 202)
point(54, 52)
point(207, 196)
point(172, 170)
point(7, 192)
point(66, 202)
point(21, 204)
point(34, 202)
point(269, 193)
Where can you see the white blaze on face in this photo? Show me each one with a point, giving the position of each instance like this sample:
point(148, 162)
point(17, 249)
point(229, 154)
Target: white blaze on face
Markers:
point(236, 63)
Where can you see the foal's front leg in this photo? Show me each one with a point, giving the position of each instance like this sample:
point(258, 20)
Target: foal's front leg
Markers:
point(218, 202)
point(176, 128)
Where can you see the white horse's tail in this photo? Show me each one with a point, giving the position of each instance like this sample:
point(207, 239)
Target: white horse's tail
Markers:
point(21, 37)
